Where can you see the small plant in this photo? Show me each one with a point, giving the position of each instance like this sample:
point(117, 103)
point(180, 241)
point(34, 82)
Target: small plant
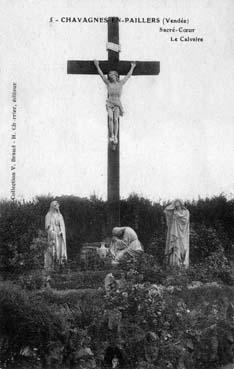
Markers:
point(33, 280)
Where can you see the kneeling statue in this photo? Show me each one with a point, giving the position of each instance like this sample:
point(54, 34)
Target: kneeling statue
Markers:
point(124, 242)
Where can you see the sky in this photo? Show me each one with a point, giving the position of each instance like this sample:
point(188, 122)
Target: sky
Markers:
point(177, 135)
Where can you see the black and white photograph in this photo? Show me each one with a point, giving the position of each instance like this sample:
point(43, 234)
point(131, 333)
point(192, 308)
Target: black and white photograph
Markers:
point(116, 185)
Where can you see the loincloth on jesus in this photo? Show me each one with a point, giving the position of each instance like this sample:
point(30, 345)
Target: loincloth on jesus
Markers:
point(113, 105)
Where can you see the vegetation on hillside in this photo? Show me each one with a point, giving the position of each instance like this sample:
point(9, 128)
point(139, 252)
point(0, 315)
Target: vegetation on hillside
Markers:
point(154, 318)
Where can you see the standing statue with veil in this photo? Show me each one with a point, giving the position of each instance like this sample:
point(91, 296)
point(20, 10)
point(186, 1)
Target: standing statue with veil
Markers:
point(56, 252)
point(177, 243)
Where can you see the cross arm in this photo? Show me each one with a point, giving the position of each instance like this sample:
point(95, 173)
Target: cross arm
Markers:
point(122, 67)
point(85, 67)
point(142, 68)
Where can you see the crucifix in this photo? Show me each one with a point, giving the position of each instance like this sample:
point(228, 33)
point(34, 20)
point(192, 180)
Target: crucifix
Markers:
point(121, 67)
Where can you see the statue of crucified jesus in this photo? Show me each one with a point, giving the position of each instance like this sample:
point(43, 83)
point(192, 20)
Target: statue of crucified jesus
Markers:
point(113, 103)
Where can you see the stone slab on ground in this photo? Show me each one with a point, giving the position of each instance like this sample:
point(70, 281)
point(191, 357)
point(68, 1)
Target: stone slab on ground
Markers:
point(72, 296)
point(78, 280)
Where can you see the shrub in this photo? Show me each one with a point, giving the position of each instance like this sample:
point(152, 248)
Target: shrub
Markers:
point(214, 268)
point(18, 259)
point(25, 322)
point(204, 241)
point(143, 267)
point(189, 331)
point(52, 331)
point(157, 246)
point(34, 280)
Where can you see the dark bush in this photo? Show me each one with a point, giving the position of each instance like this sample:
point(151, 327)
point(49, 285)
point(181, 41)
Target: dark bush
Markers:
point(86, 221)
point(25, 322)
point(50, 328)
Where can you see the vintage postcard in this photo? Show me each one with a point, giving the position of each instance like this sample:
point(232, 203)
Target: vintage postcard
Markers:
point(117, 194)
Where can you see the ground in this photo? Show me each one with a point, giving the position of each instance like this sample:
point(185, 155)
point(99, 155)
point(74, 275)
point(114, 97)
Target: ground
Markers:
point(187, 319)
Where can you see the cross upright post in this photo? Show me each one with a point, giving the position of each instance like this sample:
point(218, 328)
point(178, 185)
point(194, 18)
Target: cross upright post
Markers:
point(122, 67)
point(113, 180)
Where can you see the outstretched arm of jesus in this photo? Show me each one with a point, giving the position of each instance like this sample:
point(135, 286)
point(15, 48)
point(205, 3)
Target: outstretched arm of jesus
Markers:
point(105, 80)
point(124, 80)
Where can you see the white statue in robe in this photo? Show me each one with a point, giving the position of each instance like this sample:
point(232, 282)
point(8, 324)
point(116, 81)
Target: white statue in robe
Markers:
point(124, 241)
point(177, 243)
point(55, 227)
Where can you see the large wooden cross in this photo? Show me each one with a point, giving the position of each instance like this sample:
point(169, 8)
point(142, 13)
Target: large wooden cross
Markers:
point(122, 67)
